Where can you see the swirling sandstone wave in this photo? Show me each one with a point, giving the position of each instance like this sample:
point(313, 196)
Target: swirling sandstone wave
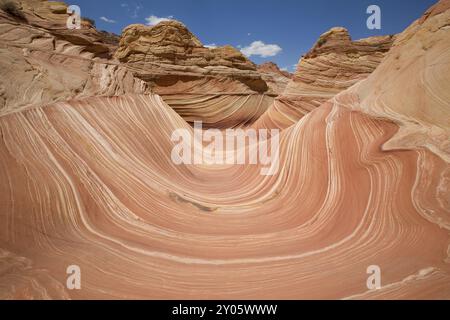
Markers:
point(43, 62)
point(219, 86)
point(411, 86)
point(90, 182)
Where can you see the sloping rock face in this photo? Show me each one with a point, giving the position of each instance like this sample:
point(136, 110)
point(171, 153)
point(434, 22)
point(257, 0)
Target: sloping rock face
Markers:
point(52, 16)
point(276, 79)
point(43, 61)
point(168, 52)
point(334, 64)
point(90, 182)
point(219, 86)
point(411, 86)
point(271, 67)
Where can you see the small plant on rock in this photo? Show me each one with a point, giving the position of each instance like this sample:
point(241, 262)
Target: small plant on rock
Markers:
point(91, 21)
point(321, 42)
point(12, 9)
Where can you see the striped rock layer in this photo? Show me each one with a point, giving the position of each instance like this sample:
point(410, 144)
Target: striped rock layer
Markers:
point(364, 180)
point(334, 64)
point(219, 86)
point(42, 61)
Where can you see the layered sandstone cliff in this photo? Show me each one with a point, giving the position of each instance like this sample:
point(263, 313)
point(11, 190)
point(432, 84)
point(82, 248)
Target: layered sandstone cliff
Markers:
point(363, 180)
point(411, 86)
point(219, 86)
point(52, 17)
point(334, 64)
point(276, 79)
point(168, 53)
point(43, 61)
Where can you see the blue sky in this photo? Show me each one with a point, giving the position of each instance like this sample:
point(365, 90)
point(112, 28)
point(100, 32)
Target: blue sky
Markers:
point(292, 25)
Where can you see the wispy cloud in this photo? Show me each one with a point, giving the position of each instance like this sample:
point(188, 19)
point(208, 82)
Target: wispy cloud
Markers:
point(259, 48)
point(107, 20)
point(211, 45)
point(132, 9)
point(291, 68)
point(154, 20)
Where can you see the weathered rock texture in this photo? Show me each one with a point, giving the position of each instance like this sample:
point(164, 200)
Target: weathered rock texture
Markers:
point(411, 86)
point(52, 16)
point(334, 64)
point(276, 79)
point(271, 67)
point(168, 52)
point(90, 182)
point(42, 61)
point(217, 85)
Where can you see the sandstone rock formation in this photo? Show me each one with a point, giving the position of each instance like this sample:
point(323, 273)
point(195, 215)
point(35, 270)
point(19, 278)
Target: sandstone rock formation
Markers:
point(219, 86)
point(42, 61)
point(416, 94)
point(364, 180)
point(276, 79)
point(334, 64)
point(168, 53)
point(52, 16)
point(271, 67)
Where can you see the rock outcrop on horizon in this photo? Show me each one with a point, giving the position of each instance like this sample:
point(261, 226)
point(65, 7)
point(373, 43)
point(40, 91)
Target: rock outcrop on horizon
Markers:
point(334, 64)
point(52, 17)
point(271, 67)
point(42, 61)
point(363, 179)
point(168, 53)
point(219, 86)
point(411, 86)
point(276, 79)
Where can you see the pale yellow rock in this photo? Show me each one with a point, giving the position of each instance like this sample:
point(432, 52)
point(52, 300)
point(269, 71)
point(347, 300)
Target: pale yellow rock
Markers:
point(276, 79)
point(334, 64)
point(219, 86)
point(168, 52)
point(411, 86)
point(91, 181)
point(42, 61)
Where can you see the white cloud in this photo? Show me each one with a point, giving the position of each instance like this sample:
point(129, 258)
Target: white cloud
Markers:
point(133, 9)
point(259, 48)
point(107, 20)
point(249, 34)
point(154, 20)
point(211, 45)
